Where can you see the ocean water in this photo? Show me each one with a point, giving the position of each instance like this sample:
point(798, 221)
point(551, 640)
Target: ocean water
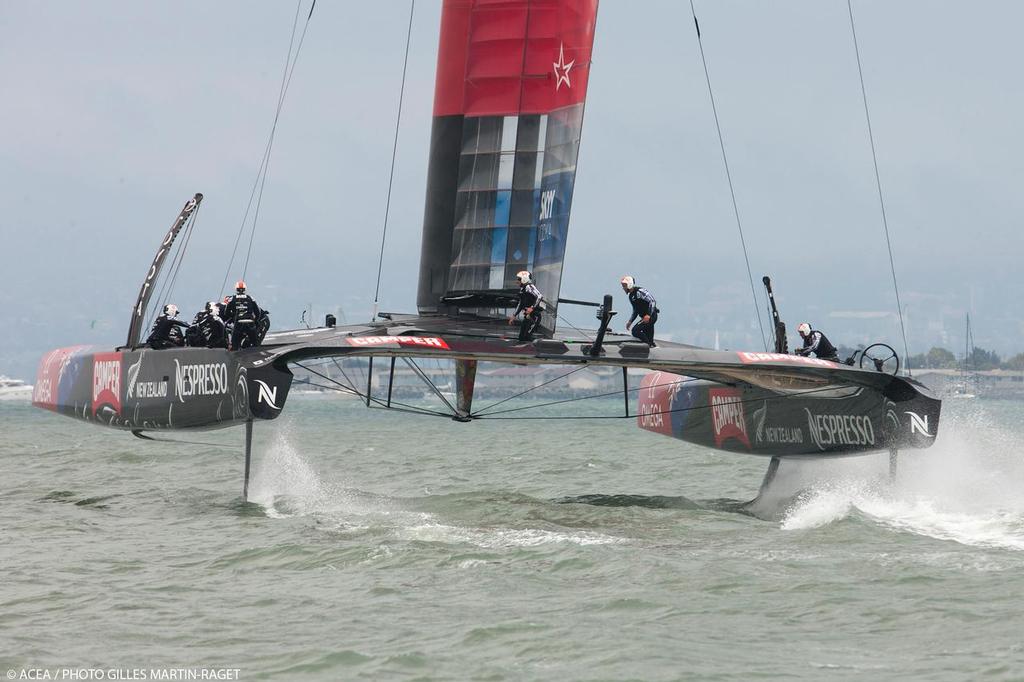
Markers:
point(385, 546)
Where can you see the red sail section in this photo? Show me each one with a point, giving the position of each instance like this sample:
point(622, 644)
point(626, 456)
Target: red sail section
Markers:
point(506, 57)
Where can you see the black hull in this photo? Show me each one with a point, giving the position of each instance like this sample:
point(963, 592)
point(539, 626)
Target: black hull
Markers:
point(145, 390)
point(845, 420)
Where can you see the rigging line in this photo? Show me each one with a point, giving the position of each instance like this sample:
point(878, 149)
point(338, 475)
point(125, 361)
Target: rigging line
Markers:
point(324, 376)
point(358, 366)
point(426, 379)
point(168, 280)
point(394, 153)
point(165, 280)
point(266, 150)
point(341, 368)
point(565, 418)
point(374, 407)
point(345, 374)
point(728, 175)
point(338, 386)
point(423, 376)
point(603, 395)
point(878, 184)
point(409, 408)
point(578, 399)
point(189, 229)
point(273, 130)
point(680, 409)
point(364, 366)
point(585, 334)
point(324, 386)
point(349, 389)
point(534, 388)
point(414, 411)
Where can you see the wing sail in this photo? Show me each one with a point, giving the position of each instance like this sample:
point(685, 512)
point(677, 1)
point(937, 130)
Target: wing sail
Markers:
point(508, 115)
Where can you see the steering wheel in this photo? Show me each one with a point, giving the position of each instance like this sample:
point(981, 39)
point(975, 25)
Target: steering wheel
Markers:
point(881, 357)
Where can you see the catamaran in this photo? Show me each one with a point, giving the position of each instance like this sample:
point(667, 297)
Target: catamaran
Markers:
point(508, 110)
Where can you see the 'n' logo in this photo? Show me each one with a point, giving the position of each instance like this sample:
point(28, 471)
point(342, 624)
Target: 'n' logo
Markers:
point(267, 394)
point(919, 424)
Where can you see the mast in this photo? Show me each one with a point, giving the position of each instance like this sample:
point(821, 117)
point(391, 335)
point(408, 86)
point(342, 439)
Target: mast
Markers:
point(968, 344)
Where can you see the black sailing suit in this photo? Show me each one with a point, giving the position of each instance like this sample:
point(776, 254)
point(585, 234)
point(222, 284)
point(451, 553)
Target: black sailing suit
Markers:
point(818, 343)
point(213, 331)
point(643, 304)
point(193, 335)
point(529, 297)
point(160, 335)
point(243, 313)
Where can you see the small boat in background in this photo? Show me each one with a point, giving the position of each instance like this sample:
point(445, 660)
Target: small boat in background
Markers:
point(14, 389)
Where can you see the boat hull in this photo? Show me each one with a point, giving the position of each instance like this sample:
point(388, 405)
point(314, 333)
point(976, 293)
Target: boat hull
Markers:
point(846, 420)
point(145, 389)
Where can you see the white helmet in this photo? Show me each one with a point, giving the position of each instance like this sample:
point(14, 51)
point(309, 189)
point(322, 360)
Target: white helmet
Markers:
point(628, 282)
point(524, 276)
point(804, 329)
point(171, 310)
point(213, 308)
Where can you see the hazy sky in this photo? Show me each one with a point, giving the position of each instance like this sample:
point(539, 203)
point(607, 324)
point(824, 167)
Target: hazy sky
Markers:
point(114, 113)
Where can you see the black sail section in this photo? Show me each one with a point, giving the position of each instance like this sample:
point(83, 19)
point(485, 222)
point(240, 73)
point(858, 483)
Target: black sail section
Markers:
point(438, 215)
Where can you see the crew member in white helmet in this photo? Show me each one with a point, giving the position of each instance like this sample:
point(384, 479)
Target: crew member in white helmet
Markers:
point(212, 329)
point(644, 307)
point(817, 343)
point(161, 336)
point(529, 305)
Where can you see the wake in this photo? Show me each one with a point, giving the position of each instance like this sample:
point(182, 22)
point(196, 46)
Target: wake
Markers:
point(286, 485)
point(965, 488)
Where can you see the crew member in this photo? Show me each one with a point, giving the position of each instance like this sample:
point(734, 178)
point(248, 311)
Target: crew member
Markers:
point(194, 335)
point(160, 336)
point(644, 307)
point(817, 343)
point(228, 326)
point(529, 305)
point(212, 327)
point(242, 312)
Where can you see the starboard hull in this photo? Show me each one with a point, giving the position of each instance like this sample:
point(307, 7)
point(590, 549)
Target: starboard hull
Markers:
point(845, 420)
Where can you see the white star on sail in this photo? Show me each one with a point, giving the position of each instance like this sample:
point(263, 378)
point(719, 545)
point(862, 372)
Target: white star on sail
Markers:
point(561, 66)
